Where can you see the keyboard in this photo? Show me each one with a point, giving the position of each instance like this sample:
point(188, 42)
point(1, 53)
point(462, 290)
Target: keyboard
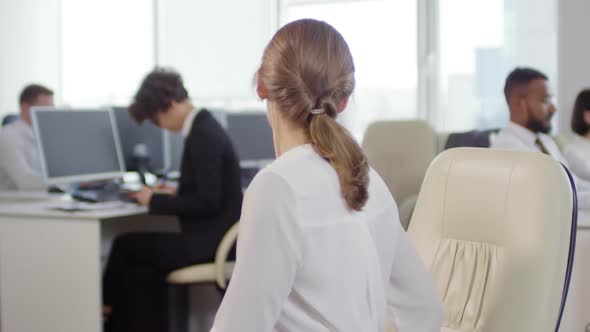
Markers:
point(84, 206)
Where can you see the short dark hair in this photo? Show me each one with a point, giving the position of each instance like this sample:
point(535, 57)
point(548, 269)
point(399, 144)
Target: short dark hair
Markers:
point(157, 91)
point(31, 92)
point(582, 104)
point(519, 77)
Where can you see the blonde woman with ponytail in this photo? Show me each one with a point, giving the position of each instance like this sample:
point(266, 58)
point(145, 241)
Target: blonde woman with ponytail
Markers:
point(320, 245)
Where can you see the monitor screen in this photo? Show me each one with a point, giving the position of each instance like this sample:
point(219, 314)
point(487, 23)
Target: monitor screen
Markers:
point(139, 139)
point(77, 145)
point(251, 136)
point(175, 148)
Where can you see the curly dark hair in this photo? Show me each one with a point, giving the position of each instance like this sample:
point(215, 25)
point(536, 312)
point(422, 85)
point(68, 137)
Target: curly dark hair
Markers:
point(157, 91)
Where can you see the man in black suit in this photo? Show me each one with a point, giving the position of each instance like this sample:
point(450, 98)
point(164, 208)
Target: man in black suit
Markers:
point(207, 203)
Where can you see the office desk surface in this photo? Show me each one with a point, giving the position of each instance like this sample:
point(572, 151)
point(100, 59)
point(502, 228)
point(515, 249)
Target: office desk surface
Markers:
point(41, 210)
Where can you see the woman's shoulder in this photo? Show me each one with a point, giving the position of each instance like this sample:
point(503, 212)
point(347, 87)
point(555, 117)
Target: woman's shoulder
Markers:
point(578, 146)
point(378, 190)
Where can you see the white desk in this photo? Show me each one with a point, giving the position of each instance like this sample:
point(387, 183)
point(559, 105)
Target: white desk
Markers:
point(50, 267)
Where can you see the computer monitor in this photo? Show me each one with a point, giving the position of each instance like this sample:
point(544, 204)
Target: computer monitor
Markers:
point(174, 150)
point(77, 145)
point(220, 116)
point(139, 141)
point(251, 136)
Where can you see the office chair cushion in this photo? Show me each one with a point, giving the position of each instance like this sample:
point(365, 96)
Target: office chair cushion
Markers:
point(494, 228)
point(473, 138)
point(400, 151)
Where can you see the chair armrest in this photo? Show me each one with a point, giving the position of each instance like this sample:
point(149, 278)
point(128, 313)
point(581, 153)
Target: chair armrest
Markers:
point(223, 250)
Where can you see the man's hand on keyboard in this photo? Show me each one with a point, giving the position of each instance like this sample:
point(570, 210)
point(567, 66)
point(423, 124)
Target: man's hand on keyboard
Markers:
point(163, 188)
point(143, 196)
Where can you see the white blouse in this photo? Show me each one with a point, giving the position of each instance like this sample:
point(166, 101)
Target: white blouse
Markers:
point(305, 262)
point(577, 154)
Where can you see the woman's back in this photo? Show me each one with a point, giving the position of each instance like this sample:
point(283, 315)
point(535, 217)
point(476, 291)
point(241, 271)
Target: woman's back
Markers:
point(306, 262)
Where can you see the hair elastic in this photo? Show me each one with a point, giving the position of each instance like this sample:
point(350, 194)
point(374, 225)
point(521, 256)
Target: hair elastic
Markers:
point(318, 111)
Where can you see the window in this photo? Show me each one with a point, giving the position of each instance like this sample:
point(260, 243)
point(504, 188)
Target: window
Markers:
point(108, 47)
point(481, 41)
point(216, 46)
point(382, 37)
point(467, 47)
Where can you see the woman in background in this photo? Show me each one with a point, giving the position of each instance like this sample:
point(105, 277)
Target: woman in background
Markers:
point(320, 245)
point(577, 152)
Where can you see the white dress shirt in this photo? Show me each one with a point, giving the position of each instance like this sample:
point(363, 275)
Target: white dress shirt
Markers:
point(187, 125)
point(577, 154)
point(516, 137)
point(305, 262)
point(20, 167)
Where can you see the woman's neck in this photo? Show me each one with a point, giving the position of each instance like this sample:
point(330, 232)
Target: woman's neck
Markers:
point(288, 140)
point(286, 135)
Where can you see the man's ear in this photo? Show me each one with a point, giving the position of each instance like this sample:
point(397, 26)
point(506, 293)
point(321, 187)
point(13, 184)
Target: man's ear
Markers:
point(172, 105)
point(517, 103)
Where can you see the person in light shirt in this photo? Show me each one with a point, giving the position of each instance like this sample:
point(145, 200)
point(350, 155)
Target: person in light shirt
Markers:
point(20, 166)
point(577, 152)
point(320, 244)
point(531, 110)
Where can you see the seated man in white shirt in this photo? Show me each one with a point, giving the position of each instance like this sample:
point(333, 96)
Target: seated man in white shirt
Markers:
point(20, 167)
point(531, 109)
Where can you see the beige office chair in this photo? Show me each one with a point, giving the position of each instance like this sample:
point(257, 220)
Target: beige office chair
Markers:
point(218, 272)
point(400, 151)
point(497, 229)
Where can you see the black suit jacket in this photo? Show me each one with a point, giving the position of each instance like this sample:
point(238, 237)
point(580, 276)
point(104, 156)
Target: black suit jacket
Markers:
point(209, 195)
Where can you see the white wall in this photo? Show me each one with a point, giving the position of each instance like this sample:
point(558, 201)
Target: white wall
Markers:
point(29, 35)
point(108, 47)
point(573, 56)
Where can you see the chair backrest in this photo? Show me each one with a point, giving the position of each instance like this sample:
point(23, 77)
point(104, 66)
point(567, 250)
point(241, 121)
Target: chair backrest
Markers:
point(472, 138)
point(400, 151)
point(494, 227)
point(9, 118)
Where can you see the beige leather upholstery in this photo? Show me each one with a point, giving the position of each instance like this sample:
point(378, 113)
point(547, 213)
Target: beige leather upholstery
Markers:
point(493, 227)
point(219, 271)
point(400, 151)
